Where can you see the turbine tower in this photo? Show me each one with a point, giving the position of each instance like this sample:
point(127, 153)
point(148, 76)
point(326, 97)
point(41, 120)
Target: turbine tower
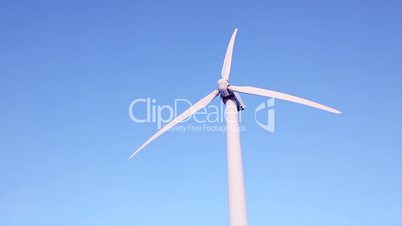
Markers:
point(230, 96)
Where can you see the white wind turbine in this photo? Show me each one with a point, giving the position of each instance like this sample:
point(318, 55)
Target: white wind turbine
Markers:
point(231, 98)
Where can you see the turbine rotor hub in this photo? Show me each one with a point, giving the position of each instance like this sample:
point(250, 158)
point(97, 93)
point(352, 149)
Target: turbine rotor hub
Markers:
point(223, 87)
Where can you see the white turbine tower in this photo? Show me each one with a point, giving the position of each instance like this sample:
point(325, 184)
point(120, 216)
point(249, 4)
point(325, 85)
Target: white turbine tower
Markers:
point(231, 98)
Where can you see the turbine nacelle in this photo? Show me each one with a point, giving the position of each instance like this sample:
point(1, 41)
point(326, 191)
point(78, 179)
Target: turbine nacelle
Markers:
point(226, 94)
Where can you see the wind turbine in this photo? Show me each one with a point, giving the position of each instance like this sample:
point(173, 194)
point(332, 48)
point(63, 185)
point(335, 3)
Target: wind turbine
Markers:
point(230, 96)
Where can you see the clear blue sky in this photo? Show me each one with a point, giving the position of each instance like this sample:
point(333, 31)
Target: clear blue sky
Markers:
point(69, 70)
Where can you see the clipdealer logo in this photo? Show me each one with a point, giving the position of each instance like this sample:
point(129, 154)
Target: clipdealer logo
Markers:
point(148, 110)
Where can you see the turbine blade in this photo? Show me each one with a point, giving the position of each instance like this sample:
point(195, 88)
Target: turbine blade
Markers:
point(193, 109)
point(282, 96)
point(228, 57)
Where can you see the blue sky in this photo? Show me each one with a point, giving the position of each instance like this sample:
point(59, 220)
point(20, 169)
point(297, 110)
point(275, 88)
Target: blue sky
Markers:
point(69, 70)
